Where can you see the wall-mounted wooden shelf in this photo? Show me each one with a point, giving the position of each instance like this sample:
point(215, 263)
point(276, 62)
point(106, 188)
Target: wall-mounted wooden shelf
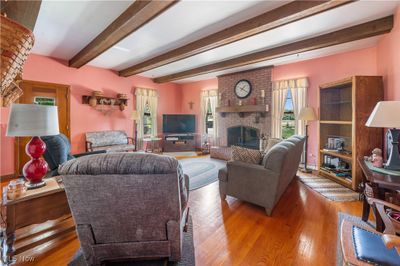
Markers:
point(104, 100)
point(242, 109)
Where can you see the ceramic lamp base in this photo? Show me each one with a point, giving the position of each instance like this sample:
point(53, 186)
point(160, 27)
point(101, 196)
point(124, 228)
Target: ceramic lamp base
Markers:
point(36, 168)
point(30, 185)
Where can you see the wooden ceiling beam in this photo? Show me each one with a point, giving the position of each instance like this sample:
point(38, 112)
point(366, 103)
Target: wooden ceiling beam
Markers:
point(358, 32)
point(280, 16)
point(24, 12)
point(134, 17)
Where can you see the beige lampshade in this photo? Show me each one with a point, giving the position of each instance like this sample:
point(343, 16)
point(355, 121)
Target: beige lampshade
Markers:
point(28, 120)
point(307, 114)
point(135, 116)
point(386, 114)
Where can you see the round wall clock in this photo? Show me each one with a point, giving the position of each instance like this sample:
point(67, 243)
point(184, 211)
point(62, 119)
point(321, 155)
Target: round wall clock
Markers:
point(243, 89)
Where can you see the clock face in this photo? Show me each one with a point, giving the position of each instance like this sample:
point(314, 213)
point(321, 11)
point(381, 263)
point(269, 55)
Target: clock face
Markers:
point(243, 89)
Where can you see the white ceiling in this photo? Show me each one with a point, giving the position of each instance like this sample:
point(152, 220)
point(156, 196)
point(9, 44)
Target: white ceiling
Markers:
point(65, 27)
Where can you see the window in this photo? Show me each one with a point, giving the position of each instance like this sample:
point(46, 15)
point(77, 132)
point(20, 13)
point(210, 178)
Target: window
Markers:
point(209, 119)
point(288, 121)
point(147, 120)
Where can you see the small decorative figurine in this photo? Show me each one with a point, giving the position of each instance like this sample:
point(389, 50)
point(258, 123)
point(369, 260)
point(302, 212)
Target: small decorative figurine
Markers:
point(376, 158)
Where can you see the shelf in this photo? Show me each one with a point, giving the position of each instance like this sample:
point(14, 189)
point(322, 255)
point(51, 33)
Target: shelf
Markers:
point(343, 181)
point(343, 156)
point(241, 109)
point(336, 122)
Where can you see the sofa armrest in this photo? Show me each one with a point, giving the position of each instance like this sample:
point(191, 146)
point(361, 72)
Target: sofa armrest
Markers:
point(88, 153)
point(249, 169)
point(89, 146)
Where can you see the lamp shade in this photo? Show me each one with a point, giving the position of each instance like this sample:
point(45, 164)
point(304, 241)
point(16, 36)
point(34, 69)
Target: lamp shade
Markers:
point(27, 120)
point(386, 114)
point(135, 115)
point(307, 114)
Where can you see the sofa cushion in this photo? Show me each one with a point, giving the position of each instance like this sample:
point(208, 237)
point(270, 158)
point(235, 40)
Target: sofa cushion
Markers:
point(115, 148)
point(271, 143)
point(107, 138)
point(246, 155)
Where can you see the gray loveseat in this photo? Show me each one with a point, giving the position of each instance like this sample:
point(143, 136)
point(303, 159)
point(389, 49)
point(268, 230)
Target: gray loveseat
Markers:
point(109, 141)
point(127, 205)
point(263, 184)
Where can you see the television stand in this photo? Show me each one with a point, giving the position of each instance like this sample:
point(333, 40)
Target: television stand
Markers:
point(179, 142)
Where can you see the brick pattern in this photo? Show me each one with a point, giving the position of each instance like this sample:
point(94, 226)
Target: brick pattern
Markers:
point(260, 79)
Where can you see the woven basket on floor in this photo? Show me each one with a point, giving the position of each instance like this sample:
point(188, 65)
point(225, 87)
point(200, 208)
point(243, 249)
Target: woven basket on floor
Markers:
point(16, 42)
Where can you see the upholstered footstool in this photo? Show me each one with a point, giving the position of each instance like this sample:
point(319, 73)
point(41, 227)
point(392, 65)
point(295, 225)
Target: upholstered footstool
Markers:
point(221, 152)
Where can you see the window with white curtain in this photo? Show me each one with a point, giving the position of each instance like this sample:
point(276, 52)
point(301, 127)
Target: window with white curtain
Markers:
point(146, 106)
point(209, 125)
point(288, 119)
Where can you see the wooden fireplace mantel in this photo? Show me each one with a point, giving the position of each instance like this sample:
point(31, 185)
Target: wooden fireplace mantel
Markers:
point(242, 109)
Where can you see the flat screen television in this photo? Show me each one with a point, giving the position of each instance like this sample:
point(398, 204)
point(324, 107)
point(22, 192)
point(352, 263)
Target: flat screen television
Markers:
point(179, 124)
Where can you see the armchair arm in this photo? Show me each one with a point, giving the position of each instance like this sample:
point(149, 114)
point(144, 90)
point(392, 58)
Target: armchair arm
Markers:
point(88, 153)
point(380, 206)
point(89, 146)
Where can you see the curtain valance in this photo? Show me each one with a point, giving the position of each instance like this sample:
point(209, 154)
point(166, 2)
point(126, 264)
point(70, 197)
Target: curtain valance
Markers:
point(290, 84)
point(146, 92)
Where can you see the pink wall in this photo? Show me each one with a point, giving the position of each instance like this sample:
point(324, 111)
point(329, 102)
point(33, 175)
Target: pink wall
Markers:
point(323, 70)
point(389, 60)
point(191, 93)
point(84, 118)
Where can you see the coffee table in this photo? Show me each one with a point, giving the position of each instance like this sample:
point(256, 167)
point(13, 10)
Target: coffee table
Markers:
point(37, 206)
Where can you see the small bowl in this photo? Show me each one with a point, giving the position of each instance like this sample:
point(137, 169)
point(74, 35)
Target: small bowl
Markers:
point(16, 189)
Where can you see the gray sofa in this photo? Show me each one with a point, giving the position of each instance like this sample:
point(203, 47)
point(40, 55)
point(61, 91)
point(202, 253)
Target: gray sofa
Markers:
point(127, 205)
point(109, 141)
point(263, 184)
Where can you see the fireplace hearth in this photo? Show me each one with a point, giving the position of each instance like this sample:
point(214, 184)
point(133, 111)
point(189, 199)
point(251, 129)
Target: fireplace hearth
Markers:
point(247, 137)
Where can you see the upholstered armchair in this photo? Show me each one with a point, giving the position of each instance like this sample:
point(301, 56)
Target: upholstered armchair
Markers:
point(58, 151)
point(127, 205)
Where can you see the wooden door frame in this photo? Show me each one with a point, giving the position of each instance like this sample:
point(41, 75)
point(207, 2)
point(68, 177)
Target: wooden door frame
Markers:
point(68, 111)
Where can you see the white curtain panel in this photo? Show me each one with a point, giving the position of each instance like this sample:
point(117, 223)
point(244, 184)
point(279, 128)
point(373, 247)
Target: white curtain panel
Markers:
point(299, 98)
point(278, 108)
point(212, 97)
point(144, 96)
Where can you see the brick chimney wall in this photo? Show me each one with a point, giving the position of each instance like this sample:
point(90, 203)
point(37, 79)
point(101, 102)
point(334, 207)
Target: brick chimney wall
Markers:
point(260, 79)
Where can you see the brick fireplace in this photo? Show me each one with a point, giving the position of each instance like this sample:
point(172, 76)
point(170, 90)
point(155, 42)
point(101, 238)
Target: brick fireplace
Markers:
point(260, 79)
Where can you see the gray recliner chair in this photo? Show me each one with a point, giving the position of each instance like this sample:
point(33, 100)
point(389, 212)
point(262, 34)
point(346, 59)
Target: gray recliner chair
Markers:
point(127, 205)
point(265, 183)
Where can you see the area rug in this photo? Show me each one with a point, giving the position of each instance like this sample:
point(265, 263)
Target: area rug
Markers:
point(201, 171)
point(187, 259)
point(354, 219)
point(181, 154)
point(328, 188)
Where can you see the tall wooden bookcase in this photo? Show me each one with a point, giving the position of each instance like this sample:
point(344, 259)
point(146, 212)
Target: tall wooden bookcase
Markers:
point(344, 107)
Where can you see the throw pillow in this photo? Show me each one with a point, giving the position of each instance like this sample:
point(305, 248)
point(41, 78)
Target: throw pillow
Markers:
point(271, 142)
point(246, 155)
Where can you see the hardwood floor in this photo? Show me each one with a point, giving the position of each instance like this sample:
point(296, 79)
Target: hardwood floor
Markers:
point(301, 231)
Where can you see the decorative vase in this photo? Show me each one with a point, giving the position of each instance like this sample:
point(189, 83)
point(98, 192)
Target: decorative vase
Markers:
point(93, 101)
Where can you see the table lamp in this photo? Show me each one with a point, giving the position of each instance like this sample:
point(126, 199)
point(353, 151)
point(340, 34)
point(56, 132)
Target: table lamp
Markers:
point(31, 120)
point(386, 114)
point(135, 117)
point(307, 114)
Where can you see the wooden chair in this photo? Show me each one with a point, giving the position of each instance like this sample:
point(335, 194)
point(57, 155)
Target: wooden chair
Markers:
point(389, 237)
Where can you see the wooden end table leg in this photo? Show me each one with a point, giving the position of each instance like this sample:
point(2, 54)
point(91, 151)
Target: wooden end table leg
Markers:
point(7, 245)
point(365, 209)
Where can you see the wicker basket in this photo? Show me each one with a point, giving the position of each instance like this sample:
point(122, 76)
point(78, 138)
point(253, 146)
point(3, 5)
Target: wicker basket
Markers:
point(16, 42)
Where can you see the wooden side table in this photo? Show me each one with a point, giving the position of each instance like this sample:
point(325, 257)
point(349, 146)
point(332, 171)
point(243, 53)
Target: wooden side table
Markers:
point(154, 143)
point(35, 207)
point(383, 183)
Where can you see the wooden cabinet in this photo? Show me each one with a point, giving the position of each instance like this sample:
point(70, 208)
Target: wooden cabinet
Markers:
point(345, 106)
